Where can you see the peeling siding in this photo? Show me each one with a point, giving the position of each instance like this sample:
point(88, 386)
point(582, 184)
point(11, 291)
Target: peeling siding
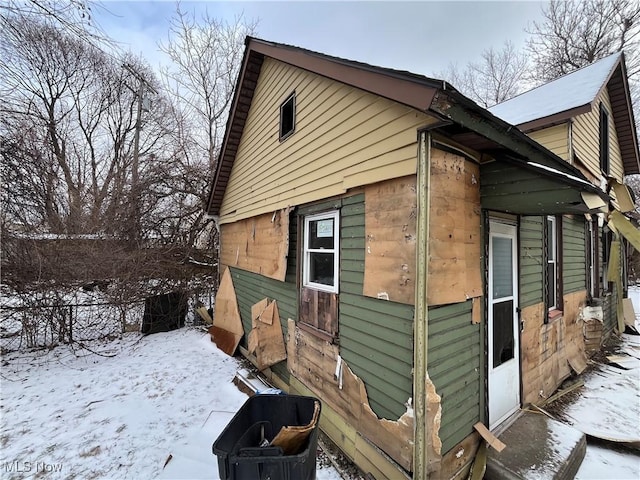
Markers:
point(376, 336)
point(455, 350)
point(344, 137)
point(586, 137)
point(554, 138)
point(574, 264)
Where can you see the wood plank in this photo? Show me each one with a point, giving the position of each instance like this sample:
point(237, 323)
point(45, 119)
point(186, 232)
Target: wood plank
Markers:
point(259, 245)
point(390, 227)
point(489, 437)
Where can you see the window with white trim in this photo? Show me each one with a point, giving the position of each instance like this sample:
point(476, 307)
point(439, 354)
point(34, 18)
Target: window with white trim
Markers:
point(552, 263)
point(321, 251)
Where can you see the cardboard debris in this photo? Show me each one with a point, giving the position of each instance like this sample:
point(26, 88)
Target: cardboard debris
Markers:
point(493, 441)
point(291, 439)
point(226, 330)
point(266, 340)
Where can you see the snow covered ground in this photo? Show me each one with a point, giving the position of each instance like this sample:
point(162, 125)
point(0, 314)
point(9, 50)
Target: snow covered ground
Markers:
point(123, 414)
point(77, 415)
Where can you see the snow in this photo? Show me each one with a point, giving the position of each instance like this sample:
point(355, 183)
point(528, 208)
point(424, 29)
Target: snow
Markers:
point(574, 90)
point(558, 172)
point(122, 413)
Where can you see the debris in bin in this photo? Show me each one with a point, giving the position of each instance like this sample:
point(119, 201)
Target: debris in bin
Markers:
point(291, 439)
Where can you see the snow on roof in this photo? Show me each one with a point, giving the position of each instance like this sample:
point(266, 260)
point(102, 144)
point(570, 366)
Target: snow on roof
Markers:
point(565, 93)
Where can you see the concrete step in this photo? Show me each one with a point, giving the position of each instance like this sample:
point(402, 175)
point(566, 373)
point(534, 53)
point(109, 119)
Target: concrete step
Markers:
point(537, 448)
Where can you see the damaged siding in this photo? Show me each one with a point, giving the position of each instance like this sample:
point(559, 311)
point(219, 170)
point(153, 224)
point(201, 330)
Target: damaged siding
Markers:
point(251, 288)
point(376, 336)
point(455, 350)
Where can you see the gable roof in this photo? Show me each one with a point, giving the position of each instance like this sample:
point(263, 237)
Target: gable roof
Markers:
point(461, 119)
point(574, 94)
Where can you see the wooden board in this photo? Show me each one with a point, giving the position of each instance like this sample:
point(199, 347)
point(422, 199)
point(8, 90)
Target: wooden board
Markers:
point(227, 317)
point(266, 339)
point(455, 273)
point(224, 340)
point(390, 233)
point(493, 441)
point(259, 245)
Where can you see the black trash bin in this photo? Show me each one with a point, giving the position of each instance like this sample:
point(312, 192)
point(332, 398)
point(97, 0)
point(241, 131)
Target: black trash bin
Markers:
point(243, 448)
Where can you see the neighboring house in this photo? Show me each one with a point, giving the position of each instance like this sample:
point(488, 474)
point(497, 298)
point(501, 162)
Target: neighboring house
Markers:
point(411, 241)
point(586, 118)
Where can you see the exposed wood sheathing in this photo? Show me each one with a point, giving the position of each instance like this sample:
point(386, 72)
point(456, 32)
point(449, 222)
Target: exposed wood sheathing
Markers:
point(454, 226)
point(390, 225)
point(258, 244)
point(454, 249)
point(313, 362)
point(547, 349)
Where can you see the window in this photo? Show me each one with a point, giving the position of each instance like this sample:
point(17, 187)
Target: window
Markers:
point(604, 140)
point(552, 264)
point(592, 259)
point(553, 275)
point(320, 252)
point(607, 237)
point(288, 116)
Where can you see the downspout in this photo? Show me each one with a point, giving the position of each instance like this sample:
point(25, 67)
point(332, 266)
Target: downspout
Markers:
point(420, 323)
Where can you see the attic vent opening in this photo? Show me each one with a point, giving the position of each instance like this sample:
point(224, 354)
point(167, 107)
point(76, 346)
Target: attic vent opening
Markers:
point(288, 116)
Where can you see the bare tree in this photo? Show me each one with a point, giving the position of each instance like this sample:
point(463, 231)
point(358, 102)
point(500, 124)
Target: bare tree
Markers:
point(498, 76)
point(68, 124)
point(206, 55)
point(574, 34)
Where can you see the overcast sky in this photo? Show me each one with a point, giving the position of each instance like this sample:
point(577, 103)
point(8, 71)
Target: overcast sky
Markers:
point(422, 37)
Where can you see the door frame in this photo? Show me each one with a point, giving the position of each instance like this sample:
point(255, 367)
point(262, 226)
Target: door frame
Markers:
point(505, 229)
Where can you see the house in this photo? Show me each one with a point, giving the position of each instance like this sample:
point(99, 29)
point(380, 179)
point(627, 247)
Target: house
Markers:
point(586, 118)
point(410, 240)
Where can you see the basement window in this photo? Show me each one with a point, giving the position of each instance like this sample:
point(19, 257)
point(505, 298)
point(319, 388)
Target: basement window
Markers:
point(288, 116)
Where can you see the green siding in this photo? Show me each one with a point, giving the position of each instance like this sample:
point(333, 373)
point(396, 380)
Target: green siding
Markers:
point(455, 351)
point(376, 336)
point(505, 187)
point(531, 269)
point(574, 267)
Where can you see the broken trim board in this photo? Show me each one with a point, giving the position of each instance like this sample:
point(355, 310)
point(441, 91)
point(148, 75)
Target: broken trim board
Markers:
point(226, 331)
point(493, 441)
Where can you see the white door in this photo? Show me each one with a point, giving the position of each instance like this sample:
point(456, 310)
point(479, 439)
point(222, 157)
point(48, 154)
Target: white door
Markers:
point(504, 348)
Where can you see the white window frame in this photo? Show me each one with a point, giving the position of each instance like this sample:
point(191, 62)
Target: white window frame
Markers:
point(335, 216)
point(552, 258)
